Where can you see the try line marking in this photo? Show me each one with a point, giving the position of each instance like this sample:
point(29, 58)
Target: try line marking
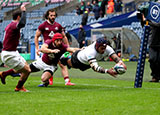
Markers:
point(102, 85)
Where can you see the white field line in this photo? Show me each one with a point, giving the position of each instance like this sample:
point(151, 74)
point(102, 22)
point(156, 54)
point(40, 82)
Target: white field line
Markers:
point(102, 85)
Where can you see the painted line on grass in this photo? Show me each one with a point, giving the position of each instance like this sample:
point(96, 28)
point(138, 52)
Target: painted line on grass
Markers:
point(114, 86)
point(111, 86)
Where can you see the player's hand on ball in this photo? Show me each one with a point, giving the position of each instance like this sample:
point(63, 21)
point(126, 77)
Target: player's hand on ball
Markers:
point(122, 63)
point(119, 69)
point(112, 72)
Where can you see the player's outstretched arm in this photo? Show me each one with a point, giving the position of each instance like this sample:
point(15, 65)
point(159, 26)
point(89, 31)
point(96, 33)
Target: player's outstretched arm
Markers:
point(94, 65)
point(112, 72)
point(45, 49)
point(22, 21)
point(72, 50)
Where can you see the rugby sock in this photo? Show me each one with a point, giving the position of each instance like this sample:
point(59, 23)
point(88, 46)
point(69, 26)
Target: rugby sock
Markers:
point(8, 72)
point(51, 80)
point(66, 79)
point(20, 84)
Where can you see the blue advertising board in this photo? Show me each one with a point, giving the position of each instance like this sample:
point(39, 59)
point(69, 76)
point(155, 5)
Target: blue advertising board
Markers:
point(116, 21)
point(154, 12)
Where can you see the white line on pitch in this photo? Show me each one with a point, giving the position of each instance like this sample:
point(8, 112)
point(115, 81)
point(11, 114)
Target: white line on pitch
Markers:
point(104, 85)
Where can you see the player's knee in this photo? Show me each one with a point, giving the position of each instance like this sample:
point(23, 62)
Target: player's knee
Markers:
point(26, 69)
point(43, 79)
point(46, 75)
point(29, 70)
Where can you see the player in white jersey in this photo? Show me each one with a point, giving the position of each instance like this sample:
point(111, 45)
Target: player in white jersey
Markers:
point(88, 57)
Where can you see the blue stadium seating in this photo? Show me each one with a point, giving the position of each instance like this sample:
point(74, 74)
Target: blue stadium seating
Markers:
point(136, 27)
point(70, 21)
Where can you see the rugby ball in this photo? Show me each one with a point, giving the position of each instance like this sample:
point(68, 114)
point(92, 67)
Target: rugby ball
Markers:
point(119, 69)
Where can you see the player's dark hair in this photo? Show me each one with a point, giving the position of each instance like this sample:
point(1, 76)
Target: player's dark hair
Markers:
point(16, 14)
point(47, 13)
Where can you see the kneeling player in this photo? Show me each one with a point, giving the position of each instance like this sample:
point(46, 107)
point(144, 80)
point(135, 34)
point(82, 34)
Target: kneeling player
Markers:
point(52, 51)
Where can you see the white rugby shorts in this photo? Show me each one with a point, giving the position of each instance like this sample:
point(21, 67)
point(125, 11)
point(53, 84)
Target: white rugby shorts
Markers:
point(13, 59)
point(39, 64)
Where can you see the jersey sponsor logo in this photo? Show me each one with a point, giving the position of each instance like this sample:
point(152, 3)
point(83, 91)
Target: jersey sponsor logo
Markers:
point(56, 28)
point(51, 56)
point(47, 28)
point(51, 34)
point(154, 12)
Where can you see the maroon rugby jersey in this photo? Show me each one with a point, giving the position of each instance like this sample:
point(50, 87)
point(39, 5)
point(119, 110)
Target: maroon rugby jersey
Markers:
point(53, 58)
point(48, 30)
point(12, 36)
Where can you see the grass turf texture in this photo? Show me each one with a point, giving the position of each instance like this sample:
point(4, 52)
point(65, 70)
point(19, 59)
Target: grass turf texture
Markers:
point(94, 94)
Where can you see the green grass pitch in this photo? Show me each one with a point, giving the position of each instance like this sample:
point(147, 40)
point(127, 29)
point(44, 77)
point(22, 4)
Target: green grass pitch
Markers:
point(93, 94)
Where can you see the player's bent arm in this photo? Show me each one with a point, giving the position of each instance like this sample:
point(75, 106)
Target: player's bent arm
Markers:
point(45, 49)
point(22, 21)
point(37, 35)
point(117, 60)
point(71, 50)
point(65, 40)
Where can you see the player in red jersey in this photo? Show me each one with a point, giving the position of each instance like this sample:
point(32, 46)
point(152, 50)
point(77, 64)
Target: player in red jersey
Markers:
point(52, 50)
point(48, 29)
point(10, 56)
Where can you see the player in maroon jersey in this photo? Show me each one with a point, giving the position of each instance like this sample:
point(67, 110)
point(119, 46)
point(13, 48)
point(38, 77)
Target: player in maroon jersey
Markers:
point(10, 56)
point(48, 29)
point(52, 50)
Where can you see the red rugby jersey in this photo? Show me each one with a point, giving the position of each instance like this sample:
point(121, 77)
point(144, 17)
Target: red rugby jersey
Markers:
point(11, 37)
point(53, 58)
point(48, 30)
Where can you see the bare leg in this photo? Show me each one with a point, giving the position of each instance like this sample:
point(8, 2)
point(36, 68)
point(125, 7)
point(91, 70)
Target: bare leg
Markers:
point(45, 79)
point(45, 76)
point(25, 71)
point(65, 74)
point(69, 62)
point(64, 70)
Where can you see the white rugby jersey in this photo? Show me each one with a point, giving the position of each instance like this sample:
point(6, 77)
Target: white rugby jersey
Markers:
point(90, 52)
